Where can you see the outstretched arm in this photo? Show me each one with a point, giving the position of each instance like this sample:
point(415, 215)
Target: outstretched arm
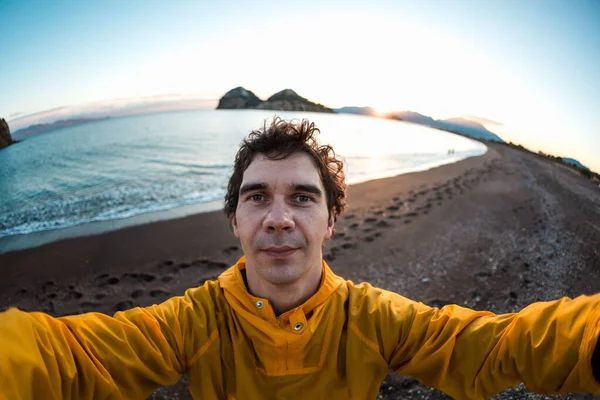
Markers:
point(469, 354)
point(596, 361)
point(93, 355)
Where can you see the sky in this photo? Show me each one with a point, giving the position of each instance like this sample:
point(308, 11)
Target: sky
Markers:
point(528, 67)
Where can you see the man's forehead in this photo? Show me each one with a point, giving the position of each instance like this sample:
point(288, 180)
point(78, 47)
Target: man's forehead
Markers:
point(296, 163)
point(296, 169)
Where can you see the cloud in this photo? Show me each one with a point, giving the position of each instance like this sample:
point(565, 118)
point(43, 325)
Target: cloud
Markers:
point(115, 108)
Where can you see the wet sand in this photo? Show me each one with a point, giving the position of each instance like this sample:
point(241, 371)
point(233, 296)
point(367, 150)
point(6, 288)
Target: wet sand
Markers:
point(494, 232)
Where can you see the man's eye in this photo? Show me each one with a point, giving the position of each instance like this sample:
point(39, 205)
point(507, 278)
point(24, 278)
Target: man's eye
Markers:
point(256, 197)
point(303, 198)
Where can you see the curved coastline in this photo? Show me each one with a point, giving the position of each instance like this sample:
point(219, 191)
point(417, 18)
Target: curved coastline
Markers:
point(38, 238)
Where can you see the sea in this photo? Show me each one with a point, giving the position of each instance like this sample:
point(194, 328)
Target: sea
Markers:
point(135, 169)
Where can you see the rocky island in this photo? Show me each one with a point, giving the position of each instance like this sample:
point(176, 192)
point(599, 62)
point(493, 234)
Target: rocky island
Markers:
point(5, 138)
point(285, 100)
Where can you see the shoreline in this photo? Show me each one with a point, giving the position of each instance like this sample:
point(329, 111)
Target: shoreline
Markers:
point(39, 238)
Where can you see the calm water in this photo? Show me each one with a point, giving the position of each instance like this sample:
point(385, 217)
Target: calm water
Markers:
point(123, 167)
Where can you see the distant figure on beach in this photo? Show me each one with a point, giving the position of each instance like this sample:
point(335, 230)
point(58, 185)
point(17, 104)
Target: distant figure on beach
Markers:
point(280, 324)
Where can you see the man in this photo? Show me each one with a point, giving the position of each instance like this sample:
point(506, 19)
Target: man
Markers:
point(279, 324)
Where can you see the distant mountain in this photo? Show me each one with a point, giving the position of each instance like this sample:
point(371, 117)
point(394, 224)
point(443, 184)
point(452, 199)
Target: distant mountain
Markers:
point(5, 138)
point(238, 98)
point(470, 128)
point(414, 117)
point(460, 126)
point(574, 162)
point(357, 110)
point(286, 100)
point(41, 128)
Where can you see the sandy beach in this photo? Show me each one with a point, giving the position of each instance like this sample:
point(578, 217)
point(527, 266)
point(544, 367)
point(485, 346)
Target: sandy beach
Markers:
point(494, 232)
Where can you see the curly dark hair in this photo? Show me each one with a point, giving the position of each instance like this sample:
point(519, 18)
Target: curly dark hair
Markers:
point(278, 141)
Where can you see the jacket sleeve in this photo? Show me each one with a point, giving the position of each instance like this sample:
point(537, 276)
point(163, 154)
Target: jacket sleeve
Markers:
point(474, 355)
point(92, 355)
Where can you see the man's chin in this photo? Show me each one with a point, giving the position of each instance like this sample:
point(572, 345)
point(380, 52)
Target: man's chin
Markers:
point(281, 271)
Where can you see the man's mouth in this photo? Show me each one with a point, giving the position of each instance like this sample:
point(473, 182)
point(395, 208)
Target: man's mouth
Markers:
point(279, 251)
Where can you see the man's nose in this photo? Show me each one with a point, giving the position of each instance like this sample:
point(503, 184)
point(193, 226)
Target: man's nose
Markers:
point(279, 217)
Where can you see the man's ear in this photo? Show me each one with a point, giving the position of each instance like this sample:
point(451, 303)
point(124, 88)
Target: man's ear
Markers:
point(330, 226)
point(234, 226)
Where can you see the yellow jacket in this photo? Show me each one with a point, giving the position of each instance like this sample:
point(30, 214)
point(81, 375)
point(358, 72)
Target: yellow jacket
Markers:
point(338, 345)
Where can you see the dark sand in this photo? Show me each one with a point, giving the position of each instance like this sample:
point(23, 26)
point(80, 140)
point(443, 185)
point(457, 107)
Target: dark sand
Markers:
point(494, 232)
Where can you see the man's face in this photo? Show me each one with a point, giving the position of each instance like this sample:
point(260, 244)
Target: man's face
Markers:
point(282, 219)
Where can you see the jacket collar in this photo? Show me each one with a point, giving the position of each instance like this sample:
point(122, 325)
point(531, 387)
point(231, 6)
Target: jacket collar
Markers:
point(233, 283)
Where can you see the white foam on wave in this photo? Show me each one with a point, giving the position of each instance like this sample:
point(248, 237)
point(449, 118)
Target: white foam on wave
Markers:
point(111, 214)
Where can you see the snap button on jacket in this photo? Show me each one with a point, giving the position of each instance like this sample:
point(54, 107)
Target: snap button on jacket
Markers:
point(339, 344)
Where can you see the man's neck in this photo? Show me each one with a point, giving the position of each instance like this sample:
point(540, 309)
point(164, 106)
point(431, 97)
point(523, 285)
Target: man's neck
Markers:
point(287, 296)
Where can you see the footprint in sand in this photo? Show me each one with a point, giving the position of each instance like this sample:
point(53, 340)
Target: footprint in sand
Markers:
point(353, 226)
point(329, 257)
point(113, 280)
point(382, 224)
point(48, 285)
point(349, 246)
point(334, 249)
point(158, 292)
point(136, 293)
point(204, 263)
point(350, 216)
point(123, 305)
point(88, 304)
point(166, 278)
point(369, 239)
point(438, 303)
point(99, 296)
point(73, 294)
point(370, 219)
point(217, 265)
point(230, 250)
point(482, 275)
point(393, 208)
point(205, 279)
point(140, 277)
